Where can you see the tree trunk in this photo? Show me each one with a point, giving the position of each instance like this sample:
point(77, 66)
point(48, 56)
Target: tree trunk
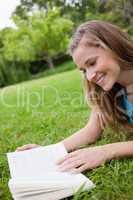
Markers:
point(50, 63)
point(102, 6)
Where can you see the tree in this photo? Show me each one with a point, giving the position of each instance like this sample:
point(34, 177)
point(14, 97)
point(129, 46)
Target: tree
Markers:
point(73, 9)
point(28, 6)
point(42, 36)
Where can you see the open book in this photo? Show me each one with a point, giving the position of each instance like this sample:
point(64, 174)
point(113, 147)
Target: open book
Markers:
point(35, 175)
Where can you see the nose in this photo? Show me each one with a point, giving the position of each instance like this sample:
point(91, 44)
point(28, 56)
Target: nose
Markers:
point(90, 75)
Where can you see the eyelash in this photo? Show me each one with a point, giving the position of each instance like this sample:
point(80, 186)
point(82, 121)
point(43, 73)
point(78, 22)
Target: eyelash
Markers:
point(93, 63)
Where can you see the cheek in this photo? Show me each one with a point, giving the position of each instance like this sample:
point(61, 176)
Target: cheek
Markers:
point(103, 65)
point(115, 69)
point(111, 67)
point(103, 68)
point(112, 76)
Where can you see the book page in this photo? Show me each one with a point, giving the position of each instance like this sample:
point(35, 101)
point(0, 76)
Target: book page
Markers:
point(35, 162)
point(36, 169)
point(55, 195)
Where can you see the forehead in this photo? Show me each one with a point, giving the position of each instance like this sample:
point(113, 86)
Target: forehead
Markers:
point(83, 52)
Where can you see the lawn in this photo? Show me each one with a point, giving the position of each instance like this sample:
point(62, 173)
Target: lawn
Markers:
point(45, 111)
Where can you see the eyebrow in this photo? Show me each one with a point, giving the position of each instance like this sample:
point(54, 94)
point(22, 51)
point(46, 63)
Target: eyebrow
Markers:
point(88, 61)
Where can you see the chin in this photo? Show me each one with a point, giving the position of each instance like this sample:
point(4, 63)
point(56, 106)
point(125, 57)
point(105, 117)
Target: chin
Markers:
point(108, 87)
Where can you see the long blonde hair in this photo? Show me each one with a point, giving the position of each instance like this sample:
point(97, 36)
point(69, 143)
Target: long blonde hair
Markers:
point(121, 46)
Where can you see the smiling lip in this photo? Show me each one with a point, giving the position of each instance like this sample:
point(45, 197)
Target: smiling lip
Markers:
point(100, 79)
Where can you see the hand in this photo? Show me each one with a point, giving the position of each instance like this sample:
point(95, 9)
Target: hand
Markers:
point(27, 147)
point(83, 159)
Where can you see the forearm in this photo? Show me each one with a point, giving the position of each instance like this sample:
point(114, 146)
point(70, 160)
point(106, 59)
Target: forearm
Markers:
point(119, 149)
point(81, 137)
point(87, 135)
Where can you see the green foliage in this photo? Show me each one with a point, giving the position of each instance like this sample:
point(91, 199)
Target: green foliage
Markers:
point(69, 65)
point(106, 17)
point(18, 46)
point(54, 32)
point(11, 72)
point(42, 36)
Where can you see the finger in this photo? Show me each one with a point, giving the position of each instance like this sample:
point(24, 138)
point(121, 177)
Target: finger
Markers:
point(69, 166)
point(70, 155)
point(21, 148)
point(30, 146)
point(26, 147)
point(67, 161)
point(79, 169)
point(71, 162)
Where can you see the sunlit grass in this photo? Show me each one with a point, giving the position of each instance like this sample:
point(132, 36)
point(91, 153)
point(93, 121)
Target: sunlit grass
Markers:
point(45, 111)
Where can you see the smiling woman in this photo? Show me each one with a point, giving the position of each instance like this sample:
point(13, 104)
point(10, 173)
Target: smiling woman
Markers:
point(99, 68)
point(105, 55)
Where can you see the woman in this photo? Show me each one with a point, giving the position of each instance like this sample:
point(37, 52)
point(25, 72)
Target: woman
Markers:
point(105, 56)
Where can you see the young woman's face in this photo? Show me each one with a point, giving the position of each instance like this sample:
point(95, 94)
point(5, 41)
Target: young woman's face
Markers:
point(98, 65)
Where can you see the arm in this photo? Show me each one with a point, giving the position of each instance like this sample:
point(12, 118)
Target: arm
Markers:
point(119, 149)
point(92, 157)
point(87, 135)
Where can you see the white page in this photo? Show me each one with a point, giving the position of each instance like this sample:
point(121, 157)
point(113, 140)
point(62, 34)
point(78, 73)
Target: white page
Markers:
point(35, 162)
point(56, 195)
point(35, 169)
point(55, 180)
point(37, 192)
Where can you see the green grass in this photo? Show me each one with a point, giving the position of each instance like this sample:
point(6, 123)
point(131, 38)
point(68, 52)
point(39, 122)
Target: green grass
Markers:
point(45, 111)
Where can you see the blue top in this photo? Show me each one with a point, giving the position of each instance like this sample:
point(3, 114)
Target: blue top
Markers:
point(128, 107)
point(125, 105)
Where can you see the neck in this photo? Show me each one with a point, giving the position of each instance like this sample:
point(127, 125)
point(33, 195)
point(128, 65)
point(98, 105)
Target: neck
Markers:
point(125, 77)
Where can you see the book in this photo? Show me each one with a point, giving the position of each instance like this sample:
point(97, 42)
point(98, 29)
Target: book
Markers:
point(34, 175)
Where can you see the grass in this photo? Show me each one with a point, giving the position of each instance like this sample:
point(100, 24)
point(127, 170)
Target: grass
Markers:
point(45, 111)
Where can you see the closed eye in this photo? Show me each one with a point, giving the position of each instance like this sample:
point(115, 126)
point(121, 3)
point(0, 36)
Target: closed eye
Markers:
point(92, 63)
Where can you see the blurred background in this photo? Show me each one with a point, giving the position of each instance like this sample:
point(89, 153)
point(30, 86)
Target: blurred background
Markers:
point(34, 44)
